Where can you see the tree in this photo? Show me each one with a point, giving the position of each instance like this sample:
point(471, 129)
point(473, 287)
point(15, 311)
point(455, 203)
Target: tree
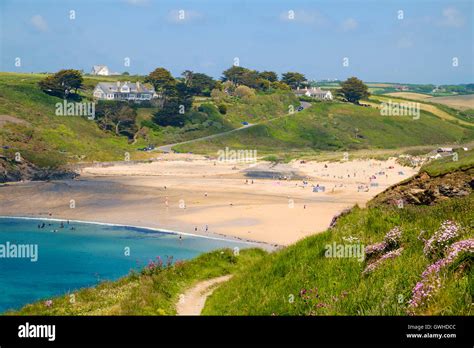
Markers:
point(293, 79)
point(280, 85)
point(62, 83)
point(269, 75)
point(177, 104)
point(263, 84)
point(234, 74)
point(118, 117)
point(162, 81)
point(353, 90)
point(198, 83)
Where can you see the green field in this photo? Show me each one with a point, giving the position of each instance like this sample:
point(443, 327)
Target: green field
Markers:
point(335, 127)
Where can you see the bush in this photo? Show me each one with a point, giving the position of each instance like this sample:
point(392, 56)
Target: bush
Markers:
point(223, 109)
point(244, 91)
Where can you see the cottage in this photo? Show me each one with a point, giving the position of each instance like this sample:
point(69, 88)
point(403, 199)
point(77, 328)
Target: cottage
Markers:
point(314, 92)
point(124, 91)
point(100, 70)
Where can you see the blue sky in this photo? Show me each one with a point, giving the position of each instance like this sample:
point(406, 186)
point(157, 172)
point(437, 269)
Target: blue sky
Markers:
point(264, 34)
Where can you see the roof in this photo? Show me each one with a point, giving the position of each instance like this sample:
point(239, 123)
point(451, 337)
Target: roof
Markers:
point(97, 68)
point(114, 87)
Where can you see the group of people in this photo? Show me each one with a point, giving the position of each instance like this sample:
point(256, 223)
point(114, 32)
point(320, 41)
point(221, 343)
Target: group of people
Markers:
point(61, 225)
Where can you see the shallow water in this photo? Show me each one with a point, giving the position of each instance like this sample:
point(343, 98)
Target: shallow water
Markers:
point(72, 259)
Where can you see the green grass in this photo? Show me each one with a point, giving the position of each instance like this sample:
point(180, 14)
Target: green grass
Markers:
point(332, 127)
point(268, 286)
point(49, 140)
point(153, 293)
point(447, 164)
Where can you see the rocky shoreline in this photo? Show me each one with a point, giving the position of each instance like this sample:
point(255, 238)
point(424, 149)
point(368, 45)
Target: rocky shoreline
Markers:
point(426, 190)
point(11, 171)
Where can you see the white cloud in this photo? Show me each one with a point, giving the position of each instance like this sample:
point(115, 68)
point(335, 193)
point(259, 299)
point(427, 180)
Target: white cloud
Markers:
point(349, 24)
point(39, 23)
point(452, 18)
point(305, 17)
point(182, 15)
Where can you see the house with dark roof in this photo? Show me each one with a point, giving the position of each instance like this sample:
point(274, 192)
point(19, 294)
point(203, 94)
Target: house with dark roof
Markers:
point(135, 91)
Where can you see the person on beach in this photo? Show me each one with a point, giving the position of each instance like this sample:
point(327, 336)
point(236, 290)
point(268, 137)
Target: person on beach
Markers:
point(207, 228)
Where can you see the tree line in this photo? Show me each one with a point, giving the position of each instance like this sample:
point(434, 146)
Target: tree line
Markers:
point(176, 95)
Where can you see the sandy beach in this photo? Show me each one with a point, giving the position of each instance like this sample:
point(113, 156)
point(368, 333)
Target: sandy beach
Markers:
point(193, 194)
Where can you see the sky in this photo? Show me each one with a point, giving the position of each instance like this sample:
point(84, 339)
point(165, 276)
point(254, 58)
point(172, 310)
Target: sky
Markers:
point(421, 41)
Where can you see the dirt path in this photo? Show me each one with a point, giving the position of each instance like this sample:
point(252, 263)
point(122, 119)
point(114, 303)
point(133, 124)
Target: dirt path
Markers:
point(193, 300)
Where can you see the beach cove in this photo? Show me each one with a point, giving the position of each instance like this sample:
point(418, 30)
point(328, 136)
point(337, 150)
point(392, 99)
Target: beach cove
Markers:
point(275, 205)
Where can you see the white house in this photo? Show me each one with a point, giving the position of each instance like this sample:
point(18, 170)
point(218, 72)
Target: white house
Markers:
point(124, 91)
point(100, 70)
point(315, 92)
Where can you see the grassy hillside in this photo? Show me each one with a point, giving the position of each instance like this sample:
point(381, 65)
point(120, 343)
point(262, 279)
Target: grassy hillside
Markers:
point(49, 140)
point(465, 160)
point(337, 126)
point(46, 139)
point(280, 283)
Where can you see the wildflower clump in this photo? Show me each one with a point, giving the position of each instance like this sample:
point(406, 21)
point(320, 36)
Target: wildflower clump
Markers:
point(431, 278)
point(389, 248)
point(444, 236)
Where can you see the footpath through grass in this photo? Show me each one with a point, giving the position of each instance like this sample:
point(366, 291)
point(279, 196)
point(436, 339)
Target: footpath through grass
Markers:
point(153, 291)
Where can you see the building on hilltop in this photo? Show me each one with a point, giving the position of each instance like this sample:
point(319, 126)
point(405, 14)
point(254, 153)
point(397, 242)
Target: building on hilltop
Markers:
point(101, 70)
point(314, 92)
point(135, 91)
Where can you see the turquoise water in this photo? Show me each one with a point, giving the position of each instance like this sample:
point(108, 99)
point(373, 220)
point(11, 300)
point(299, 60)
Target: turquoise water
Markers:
point(72, 259)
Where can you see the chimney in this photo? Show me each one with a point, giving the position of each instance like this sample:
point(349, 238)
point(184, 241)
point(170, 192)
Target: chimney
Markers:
point(138, 85)
point(118, 84)
point(298, 88)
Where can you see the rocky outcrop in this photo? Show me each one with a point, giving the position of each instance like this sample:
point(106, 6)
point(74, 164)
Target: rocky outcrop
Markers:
point(426, 190)
point(24, 170)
